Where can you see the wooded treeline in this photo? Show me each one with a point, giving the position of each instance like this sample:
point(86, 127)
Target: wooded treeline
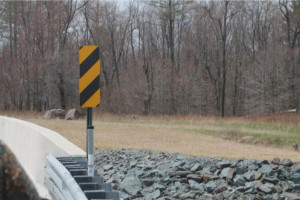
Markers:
point(228, 58)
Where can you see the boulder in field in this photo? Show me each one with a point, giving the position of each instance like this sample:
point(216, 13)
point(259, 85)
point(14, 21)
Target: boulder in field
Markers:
point(55, 113)
point(74, 114)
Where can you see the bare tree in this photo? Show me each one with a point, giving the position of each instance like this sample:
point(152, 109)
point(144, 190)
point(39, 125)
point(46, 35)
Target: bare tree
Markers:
point(223, 24)
point(290, 11)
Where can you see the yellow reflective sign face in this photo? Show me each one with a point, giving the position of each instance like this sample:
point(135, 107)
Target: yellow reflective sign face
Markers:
point(89, 87)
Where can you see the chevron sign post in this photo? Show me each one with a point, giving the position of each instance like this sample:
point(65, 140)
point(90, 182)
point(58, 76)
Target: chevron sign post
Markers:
point(89, 90)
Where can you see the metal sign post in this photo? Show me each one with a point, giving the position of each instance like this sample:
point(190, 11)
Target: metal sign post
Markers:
point(90, 142)
point(89, 90)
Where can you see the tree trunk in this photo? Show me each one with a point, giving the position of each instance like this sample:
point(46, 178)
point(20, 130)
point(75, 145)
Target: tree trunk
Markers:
point(172, 56)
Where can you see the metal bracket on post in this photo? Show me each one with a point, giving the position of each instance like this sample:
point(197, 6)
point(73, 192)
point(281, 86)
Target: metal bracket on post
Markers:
point(90, 143)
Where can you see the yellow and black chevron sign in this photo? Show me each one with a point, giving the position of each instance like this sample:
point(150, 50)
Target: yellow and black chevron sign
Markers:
point(89, 88)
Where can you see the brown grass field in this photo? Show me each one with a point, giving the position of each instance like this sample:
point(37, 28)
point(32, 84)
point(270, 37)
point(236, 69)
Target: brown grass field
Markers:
point(190, 135)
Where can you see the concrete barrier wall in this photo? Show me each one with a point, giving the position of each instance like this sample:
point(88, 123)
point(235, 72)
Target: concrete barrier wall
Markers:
point(30, 143)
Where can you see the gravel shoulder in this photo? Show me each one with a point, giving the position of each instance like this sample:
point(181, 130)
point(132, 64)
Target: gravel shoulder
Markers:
point(155, 175)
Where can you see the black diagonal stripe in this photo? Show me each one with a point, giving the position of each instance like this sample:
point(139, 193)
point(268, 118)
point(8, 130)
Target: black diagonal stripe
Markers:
point(89, 62)
point(89, 91)
point(80, 47)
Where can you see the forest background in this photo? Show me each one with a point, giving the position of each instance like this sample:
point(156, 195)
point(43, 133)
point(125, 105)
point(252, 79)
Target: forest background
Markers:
point(227, 58)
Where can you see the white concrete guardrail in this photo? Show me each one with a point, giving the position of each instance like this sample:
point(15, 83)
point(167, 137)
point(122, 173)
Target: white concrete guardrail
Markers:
point(30, 143)
point(60, 182)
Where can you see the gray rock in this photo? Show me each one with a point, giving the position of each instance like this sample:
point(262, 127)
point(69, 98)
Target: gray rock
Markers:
point(265, 189)
point(265, 169)
point(178, 163)
point(207, 197)
point(123, 195)
point(179, 173)
point(296, 178)
point(262, 162)
point(223, 164)
point(295, 168)
point(241, 167)
point(209, 177)
point(164, 198)
point(253, 184)
point(226, 194)
point(108, 167)
point(176, 185)
point(271, 179)
point(241, 189)
point(196, 186)
point(221, 186)
point(138, 172)
point(276, 196)
point(269, 197)
point(145, 166)
point(165, 167)
point(273, 166)
point(132, 164)
point(100, 171)
point(173, 180)
point(74, 114)
point(253, 167)
point(239, 181)
point(148, 182)
point(257, 175)
point(286, 162)
point(196, 167)
point(158, 173)
point(55, 113)
point(276, 161)
point(212, 169)
point(283, 174)
point(217, 172)
point(195, 177)
point(210, 186)
point(131, 185)
point(278, 189)
point(271, 186)
point(227, 173)
point(290, 196)
point(206, 170)
point(220, 196)
point(284, 185)
point(154, 195)
point(249, 176)
point(188, 195)
point(296, 188)
point(251, 191)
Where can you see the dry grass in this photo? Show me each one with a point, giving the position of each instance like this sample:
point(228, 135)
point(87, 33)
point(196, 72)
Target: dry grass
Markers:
point(161, 133)
point(278, 119)
point(165, 133)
